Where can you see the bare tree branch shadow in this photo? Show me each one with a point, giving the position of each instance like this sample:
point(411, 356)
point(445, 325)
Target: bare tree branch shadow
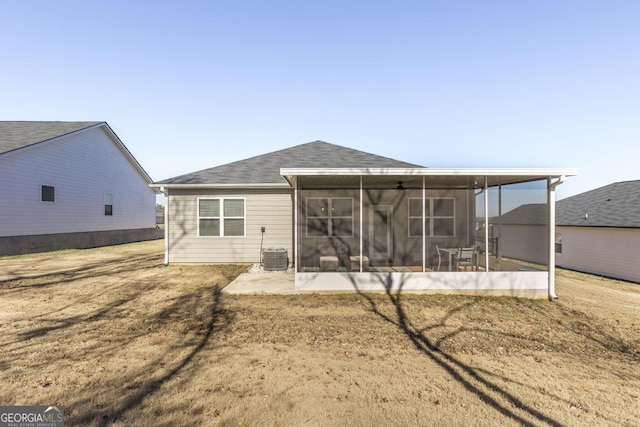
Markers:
point(470, 378)
point(218, 319)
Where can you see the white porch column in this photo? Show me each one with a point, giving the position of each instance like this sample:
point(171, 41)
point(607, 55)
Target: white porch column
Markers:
point(166, 227)
point(486, 226)
point(424, 228)
point(361, 226)
point(551, 220)
point(295, 225)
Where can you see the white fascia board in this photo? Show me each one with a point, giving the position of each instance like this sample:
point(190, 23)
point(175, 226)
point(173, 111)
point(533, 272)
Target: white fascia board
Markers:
point(199, 186)
point(123, 148)
point(553, 172)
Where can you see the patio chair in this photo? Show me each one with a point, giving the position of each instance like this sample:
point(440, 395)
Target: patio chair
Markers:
point(465, 258)
point(439, 255)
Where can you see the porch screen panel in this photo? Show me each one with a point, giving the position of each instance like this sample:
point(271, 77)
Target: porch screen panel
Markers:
point(415, 216)
point(443, 217)
point(317, 217)
point(518, 226)
point(342, 217)
point(381, 223)
point(440, 218)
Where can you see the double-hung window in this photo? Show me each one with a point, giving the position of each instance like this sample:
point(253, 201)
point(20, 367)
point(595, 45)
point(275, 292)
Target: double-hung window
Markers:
point(221, 217)
point(329, 217)
point(440, 219)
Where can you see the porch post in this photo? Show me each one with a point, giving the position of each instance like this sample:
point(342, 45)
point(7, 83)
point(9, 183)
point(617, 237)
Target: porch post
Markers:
point(551, 211)
point(295, 225)
point(361, 216)
point(486, 226)
point(166, 227)
point(498, 252)
point(424, 228)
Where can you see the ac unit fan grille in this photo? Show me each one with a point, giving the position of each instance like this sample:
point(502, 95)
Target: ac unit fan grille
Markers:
point(274, 259)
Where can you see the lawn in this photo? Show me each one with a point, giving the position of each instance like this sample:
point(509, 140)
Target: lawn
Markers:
point(119, 339)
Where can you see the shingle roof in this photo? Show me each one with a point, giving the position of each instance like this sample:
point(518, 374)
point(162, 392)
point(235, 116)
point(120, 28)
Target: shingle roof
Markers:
point(529, 214)
point(265, 169)
point(15, 135)
point(614, 205)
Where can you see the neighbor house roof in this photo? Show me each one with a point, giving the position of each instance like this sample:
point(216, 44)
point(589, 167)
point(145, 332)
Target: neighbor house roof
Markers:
point(21, 134)
point(16, 135)
point(265, 169)
point(614, 205)
point(529, 214)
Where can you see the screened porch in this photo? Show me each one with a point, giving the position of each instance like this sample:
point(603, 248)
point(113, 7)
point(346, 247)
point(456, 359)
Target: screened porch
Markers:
point(423, 228)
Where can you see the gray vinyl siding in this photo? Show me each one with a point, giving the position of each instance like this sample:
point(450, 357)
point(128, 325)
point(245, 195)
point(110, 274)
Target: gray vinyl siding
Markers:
point(82, 167)
point(267, 208)
point(611, 252)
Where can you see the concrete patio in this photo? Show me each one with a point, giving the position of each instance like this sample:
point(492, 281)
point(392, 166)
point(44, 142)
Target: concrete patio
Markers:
point(270, 282)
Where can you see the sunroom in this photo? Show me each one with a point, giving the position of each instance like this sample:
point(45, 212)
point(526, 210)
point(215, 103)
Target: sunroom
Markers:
point(419, 229)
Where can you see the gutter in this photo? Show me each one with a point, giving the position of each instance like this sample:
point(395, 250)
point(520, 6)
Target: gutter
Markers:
point(201, 186)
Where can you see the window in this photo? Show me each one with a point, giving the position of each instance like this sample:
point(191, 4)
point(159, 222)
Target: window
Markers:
point(330, 217)
point(440, 217)
point(48, 193)
point(221, 217)
point(108, 204)
point(558, 243)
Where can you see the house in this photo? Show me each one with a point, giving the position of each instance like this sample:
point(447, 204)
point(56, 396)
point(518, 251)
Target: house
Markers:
point(70, 185)
point(528, 223)
point(354, 220)
point(598, 231)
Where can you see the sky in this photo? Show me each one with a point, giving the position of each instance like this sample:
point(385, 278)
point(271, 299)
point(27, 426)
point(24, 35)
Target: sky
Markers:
point(189, 85)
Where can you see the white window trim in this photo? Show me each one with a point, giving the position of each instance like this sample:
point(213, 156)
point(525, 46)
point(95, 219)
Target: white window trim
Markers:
point(222, 217)
point(329, 217)
point(54, 194)
point(104, 204)
point(429, 217)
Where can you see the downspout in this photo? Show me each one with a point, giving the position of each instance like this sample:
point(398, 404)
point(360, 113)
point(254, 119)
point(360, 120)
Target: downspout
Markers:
point(166, 225)
point(551, 203)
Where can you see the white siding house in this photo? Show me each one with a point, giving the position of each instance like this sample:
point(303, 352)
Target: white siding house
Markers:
point(598, 231)
point(70, 184)
point(526, 223)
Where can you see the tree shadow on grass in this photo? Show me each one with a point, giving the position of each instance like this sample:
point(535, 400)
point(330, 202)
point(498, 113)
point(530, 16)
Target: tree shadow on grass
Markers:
point(218, 319)
point(470, 378)
point(109, 319)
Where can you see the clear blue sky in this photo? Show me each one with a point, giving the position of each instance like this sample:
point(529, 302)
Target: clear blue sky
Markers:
point(192, 84)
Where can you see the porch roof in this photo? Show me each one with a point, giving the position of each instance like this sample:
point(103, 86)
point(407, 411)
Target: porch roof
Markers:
point(449, 177)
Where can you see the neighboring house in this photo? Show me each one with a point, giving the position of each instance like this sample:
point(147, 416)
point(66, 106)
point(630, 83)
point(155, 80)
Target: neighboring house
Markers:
point(70, 185)
point(599, 231)
point(351, 220)
point(526, 223)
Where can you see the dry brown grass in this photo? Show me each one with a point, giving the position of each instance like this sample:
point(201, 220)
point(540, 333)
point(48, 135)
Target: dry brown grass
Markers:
point(118, 339)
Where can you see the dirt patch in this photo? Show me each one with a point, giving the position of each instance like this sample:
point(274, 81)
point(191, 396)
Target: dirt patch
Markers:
point(119, 339)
